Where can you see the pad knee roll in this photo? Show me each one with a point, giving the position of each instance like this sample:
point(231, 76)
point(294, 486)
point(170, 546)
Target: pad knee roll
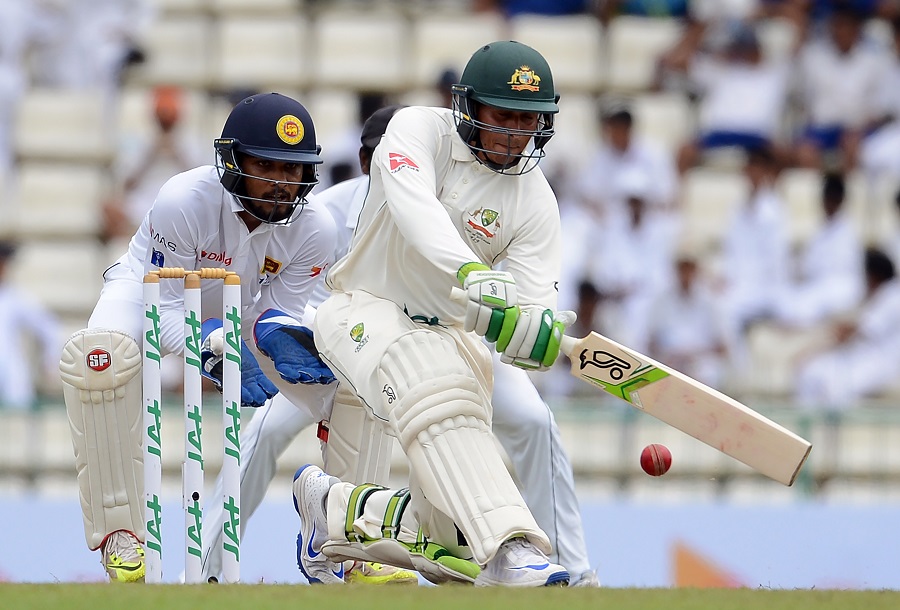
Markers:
point(100, 370)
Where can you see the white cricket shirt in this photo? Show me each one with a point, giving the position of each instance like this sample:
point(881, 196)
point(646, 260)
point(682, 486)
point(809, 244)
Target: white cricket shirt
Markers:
point(432, 207)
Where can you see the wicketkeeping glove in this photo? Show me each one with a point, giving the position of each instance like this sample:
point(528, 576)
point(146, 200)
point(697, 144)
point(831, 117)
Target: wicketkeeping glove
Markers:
point(491, 310)
point(291, 347)
point(256, 388)
point(534, 343)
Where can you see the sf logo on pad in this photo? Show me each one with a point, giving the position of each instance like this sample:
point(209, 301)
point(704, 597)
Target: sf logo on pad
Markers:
point(99, 360)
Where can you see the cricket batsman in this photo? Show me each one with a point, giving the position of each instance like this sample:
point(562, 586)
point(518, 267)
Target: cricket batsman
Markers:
point(452, 193)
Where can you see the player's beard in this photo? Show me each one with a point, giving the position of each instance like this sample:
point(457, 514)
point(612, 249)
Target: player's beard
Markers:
point(275, 205)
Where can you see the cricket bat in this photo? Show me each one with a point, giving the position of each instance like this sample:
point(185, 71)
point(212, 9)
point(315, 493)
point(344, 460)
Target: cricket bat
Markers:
point(686, 404)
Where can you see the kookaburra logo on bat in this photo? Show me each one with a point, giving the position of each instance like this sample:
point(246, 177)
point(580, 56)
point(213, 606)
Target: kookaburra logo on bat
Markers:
point(614, 365)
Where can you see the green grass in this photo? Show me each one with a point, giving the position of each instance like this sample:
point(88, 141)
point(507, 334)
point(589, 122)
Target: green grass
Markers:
point(282, 597)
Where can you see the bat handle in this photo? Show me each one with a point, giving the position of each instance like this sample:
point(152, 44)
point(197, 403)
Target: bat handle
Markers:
point(567, 345)
point(458, 295)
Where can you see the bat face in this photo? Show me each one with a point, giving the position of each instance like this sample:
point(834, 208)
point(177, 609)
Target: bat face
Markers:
point(615, 371)
point(688, 405)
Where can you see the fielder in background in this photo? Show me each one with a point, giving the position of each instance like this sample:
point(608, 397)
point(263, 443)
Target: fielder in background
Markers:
point(248, 214)
point(451, 193)
point(356, 448)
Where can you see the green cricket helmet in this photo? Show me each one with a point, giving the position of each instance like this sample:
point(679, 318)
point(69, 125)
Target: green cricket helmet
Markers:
point(511, 76)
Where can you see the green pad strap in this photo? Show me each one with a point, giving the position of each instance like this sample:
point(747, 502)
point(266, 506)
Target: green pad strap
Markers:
point(394, 512)
point(355, 505)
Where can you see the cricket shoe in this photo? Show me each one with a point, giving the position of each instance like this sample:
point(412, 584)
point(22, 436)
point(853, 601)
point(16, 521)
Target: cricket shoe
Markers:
point(372, 573)
point(586, 579)
point(519, 563)
point(310, 489)
point(123, 557)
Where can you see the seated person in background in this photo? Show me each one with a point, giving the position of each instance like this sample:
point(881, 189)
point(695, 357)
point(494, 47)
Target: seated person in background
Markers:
point(20, 317)
point(828, 281)
point(145, 164)
point(686, 329)
point(865, 356)
point(742, 98)
point(755, 255)
point(838, 78)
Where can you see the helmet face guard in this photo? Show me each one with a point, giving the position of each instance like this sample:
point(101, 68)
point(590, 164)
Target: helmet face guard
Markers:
point(507, 75)
point(465, 111)
point(233, 179)
point(276, 128)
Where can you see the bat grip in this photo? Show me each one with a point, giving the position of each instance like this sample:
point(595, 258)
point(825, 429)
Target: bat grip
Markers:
point(566, 346)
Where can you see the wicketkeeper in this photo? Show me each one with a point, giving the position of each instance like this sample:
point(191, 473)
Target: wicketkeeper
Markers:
point(247, 214)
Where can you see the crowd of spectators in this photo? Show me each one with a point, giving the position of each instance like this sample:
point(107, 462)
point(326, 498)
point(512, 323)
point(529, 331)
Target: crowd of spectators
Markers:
point(828, 103)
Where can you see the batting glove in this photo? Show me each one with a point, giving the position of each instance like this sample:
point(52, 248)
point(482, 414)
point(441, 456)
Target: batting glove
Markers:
point(291, 347)
point(491, 310)
point(256, 388)
point(534, 343)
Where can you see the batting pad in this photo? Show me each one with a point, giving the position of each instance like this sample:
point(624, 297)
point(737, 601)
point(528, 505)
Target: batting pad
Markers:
point(358, 449)
point(375, 527)
point(100, 370)
point(438, 414)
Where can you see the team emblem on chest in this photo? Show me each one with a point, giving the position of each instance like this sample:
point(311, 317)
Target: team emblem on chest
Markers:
point(482, 225)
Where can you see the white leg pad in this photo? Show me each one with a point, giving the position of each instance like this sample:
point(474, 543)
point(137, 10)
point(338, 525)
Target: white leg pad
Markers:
point(100, 370)
point(358, 448)
point(442, 421)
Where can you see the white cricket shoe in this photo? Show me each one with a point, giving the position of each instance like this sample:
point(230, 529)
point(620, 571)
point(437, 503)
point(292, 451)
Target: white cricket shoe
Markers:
point(587, 579)
point(310, 489)
point(519, 563)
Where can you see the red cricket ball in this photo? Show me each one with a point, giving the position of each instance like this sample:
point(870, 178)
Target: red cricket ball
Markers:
point(656, 460)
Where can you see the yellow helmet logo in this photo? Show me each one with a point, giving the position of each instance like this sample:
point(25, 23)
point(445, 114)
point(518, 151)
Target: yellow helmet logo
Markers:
point(289, 129)
point(524, 79)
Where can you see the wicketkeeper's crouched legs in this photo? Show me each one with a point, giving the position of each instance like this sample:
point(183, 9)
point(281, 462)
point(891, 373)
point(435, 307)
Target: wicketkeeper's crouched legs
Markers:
point(101, 377)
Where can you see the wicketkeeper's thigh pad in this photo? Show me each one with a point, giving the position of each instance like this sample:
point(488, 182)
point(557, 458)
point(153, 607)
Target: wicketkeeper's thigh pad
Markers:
point(358, 449)
point(101, 377)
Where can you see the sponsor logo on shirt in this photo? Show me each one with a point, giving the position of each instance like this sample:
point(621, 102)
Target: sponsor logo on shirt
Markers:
point(482, 224)
point(399, 161)
point(159, 238)
point(316, 270)
point(157, 258)
point(358, 334)
point(524, 79)
point(218, 257)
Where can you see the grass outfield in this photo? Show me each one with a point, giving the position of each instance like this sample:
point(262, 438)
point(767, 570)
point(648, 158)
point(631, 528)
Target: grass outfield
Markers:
point(282, 597)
